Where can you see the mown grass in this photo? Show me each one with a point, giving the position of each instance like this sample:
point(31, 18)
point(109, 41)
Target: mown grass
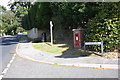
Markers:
point(47, 47)
point(24, 32)
point(58, 49)
point(62, 48)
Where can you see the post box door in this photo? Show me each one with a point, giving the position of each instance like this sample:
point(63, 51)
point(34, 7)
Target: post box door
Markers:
point(77, 40)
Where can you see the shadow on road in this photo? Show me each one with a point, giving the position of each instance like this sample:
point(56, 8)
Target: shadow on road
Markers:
point(9, 40)
point(5, 44)
point(13, 40)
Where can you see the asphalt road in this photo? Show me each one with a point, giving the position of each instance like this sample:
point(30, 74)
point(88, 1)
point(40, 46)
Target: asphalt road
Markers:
point(7, 47)
point(22, 68)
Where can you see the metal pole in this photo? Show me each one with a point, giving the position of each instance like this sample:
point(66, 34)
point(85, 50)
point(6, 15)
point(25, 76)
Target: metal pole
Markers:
point(102, 47)
point(51, 25)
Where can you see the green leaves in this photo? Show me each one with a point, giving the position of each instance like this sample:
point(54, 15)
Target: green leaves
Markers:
point(39, 16)
point(105, 26)
point(9, 22)
point(100, 20)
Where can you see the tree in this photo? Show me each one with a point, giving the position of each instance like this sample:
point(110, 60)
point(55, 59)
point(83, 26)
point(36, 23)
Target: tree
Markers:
point(101, 20)
point(20, 8)
point(38, 16)
point(9, 22)
point(2, 10)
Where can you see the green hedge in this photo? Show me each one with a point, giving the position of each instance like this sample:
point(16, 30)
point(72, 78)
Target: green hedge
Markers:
point(105, 26)
point(107, 31)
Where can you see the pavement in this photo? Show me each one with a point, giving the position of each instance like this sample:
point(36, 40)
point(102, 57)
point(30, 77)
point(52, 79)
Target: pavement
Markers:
point(26, 51)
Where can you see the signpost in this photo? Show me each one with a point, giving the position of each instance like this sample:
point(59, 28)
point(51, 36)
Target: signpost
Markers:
point(51, 25)
point(93, 43)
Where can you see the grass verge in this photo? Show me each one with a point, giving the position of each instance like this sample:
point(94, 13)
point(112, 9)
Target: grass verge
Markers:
point(80, 52)
point(63, 48)
point(47, 47)
point(24, 32)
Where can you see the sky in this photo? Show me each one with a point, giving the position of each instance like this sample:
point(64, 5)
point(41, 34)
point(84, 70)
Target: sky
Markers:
point(5, 3)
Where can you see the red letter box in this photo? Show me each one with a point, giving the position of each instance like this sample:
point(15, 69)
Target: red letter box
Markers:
point(78, 37)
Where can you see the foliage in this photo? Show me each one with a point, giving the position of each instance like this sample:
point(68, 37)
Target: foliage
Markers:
point(20, 8)
point(67, 14)
point(9, 23)
point(19, 29)
point(73, 15)
point(38, 16)
point(101, 20)
point(2, 10)
point(105, 26)
point(11, 19)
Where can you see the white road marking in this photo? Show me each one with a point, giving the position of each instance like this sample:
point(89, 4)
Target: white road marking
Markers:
point(7, 67)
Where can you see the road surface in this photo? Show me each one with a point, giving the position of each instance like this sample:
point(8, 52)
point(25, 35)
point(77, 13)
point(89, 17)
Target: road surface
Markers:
point(22, 68)
point(7, 48)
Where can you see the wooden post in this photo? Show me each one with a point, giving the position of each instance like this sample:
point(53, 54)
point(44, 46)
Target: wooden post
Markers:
point(51, 25)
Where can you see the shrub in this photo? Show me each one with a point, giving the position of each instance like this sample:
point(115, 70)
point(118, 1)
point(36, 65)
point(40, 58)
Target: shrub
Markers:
point(105, 26)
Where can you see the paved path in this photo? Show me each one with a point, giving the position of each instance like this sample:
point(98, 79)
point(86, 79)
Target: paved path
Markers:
point(27, 51)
